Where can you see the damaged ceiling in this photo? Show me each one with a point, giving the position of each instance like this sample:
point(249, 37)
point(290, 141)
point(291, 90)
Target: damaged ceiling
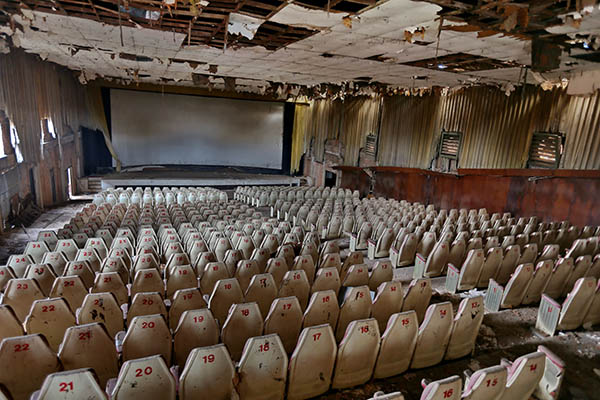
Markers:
point(253, 45)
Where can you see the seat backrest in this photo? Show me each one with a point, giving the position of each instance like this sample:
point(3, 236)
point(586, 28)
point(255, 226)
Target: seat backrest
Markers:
point(56, 260)
point(81, 269)
point(147, 335)
point(465, 327)
point(111, 282)
point(225, 293)
point(30, 360)
point(181, 277)
point(560, 274)
point(146, 303)
point(443, 389)
point(103, 308)
point(262, 290)
point(184, 299)
point(116, 264)
point(19, 263)
point(514, 291)
point(326, 279)
point(277, 267)
point(388, 301)
point(576, 305)
point(70, 288)
point(208, 373)
point(263, 368)
point(285, 319)
point(51, 318)
point(311, 363)
point(90, 346)
point(244, 272)
point(10, 325)
point(20, 295)
point(145, 378)
point(68, 247)
point(417, 297)
point(43, 275)
point(382, 272)
point(356, 305)
point(541, 275)
point(582, 265)
point(323, 308)
point(48, 237)
point(75, 384)
point(471, 269)
point(434, 334)
point(486, 383)
point(356, 354)
point(244, 321)
point(508, 264)
point(397, 344)
point(523, 376)
point(36, 250)
point(196, 328)
point(295, 283)
point(213, 271)
point(457, 253)
point(147, 280)
point(358, 275)
point(437, 259)
point(554, 372)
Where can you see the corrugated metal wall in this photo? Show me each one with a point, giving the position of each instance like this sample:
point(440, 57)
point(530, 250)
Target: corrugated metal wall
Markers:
point(497, 129)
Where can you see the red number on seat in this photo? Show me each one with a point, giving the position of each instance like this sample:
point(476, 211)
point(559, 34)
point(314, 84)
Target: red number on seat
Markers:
point(21, 347)
point(209, 359)
point(317, 336)
point(65, 386)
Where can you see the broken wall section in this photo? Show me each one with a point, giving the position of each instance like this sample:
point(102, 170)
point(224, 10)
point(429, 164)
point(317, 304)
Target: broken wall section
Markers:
point(42, 108)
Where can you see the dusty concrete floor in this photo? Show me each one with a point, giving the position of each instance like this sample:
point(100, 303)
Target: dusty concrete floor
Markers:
point(507, 334)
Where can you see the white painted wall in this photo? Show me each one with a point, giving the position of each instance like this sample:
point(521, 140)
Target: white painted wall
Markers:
point(154, 128)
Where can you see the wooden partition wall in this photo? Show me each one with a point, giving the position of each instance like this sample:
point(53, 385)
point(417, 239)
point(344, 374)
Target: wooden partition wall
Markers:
point(557, 195)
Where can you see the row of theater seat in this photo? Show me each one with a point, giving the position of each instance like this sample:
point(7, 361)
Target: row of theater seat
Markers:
point(540, 374)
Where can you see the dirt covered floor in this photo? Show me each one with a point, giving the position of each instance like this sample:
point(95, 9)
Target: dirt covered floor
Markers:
point(506, 334)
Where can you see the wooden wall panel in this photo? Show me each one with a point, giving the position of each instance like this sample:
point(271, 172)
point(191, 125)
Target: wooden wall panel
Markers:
point(569, 194)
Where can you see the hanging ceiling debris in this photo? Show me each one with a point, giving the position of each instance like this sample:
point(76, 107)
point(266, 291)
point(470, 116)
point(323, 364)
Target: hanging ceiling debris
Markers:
point(329, 47)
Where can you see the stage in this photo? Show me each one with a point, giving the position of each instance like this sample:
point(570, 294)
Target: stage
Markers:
point(222, 177)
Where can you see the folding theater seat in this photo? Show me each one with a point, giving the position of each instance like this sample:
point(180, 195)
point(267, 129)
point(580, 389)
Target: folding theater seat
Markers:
point(443, 389)
point(75, 384)
point(554, 372)
point(305, 263)
point(20, 295)
point(311, 364)
point(417, 297)
point(356, 305)
point(147, 335)
point(383, 271)
point(262, 290)
point(358, 275)
point(436, 260)
point(523, 377)
point(326, 279)
point(213, 272)
point(18, 264)
point(68, 247)
point(208, 373)
point(36, 250)
point(81, 269)
point(434, 335)
point(10, 326)
point(323, 308)
point(397, 344)
point(43, 275)
point(517, 286)
point(263, 368)
point(388, 301)
point(111, 282)
point(356, 354)
point(592, 317)
point(226, 293)
point(146, 303)
point(465, 328)
point(56, 260)
point(90, 346)
point(285, 319)
point(102, 308)
point(26, 361)
point(486, 384)
point(509, 262)
point(181, 277)
point(147, 280)
point(295, 283)
point(146, 378)
point(51, 318)
point(560, 274)
point(541, 275)
point(277, 267)
point(244, 321)
point(571, 313)
point(196, 328)
point(582, 266)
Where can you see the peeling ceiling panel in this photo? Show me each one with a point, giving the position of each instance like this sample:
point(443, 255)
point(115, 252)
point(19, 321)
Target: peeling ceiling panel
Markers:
point(305, 42)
